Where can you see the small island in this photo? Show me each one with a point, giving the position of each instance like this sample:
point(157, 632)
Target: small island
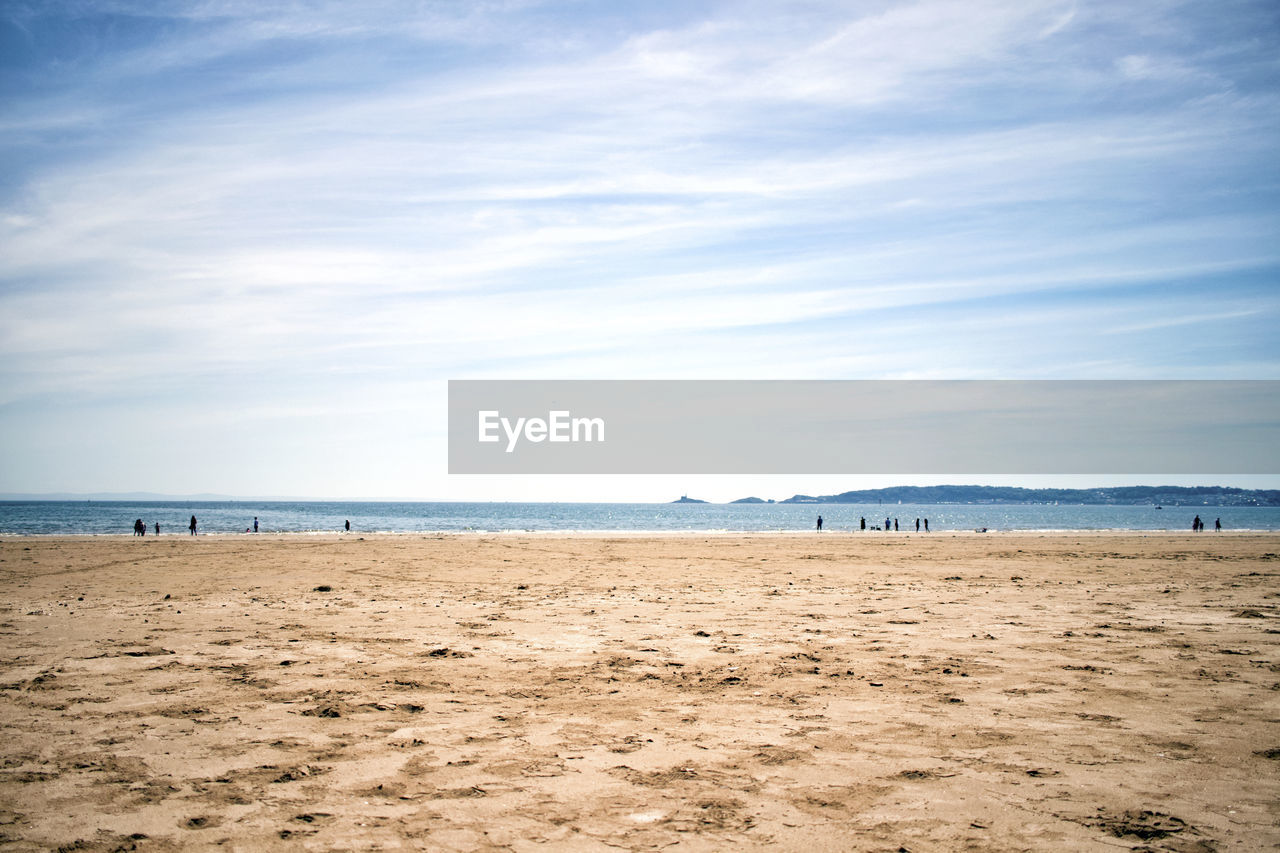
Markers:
point(685, 499)
point(752, 500)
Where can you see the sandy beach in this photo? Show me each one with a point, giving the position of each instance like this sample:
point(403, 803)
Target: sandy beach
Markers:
point(1064, 691)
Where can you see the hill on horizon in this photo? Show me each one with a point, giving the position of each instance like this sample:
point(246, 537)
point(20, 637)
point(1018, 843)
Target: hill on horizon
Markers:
point(1116, 495)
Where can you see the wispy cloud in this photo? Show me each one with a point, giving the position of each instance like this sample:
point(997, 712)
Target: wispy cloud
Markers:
point(390, 193)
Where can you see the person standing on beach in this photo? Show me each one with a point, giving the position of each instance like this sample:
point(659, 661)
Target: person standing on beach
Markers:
point(917, 525)
point(347, 526)
point(1197, 525)
point(1217, 525)
point(862, 523)
point(887, 528)
point(926, 525)
point(137, 527)
point(255, 524)
point(192, 525)
point(819, 524)
point(895, 525)
point(157, 528)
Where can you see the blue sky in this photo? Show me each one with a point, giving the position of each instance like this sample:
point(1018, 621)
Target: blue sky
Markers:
point(243, 246)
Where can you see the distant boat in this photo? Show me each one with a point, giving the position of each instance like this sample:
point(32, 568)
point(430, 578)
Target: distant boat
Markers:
point(1159, 507)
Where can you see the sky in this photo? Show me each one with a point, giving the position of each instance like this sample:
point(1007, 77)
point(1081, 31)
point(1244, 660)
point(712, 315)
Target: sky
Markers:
point(244, 246)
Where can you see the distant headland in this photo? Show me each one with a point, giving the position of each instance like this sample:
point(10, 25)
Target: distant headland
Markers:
point(1117, 496)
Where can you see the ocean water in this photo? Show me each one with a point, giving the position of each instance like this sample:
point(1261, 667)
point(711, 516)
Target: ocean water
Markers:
point(117, 517)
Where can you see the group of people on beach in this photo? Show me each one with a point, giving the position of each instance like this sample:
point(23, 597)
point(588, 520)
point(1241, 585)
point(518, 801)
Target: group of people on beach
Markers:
point(862, 524)
point(140, 527)
point(891, 524)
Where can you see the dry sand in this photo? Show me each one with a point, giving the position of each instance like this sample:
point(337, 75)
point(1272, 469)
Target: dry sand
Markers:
point(834, 692)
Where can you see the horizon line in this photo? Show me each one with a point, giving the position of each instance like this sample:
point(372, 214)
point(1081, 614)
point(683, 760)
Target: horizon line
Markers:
point(208, 497)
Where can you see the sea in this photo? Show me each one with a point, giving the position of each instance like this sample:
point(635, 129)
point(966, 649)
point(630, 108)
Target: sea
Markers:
point(84, 517)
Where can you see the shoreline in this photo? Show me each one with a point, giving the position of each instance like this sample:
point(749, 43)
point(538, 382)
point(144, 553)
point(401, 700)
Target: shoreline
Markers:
point(828, 532)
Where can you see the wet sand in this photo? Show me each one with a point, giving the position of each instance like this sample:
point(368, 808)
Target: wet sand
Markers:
point(806, 692)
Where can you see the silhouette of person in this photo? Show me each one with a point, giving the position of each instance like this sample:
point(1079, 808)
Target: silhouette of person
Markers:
point(157, 528)
point(192, 525)
point(137, 527)
point(926, 525)
point(347, 526)
point(917, 525)
point(819, 523)
point(1197, 524)
point(895, 525)
point(1217, 525)
point(862, 523)
point(886, 523)
point(255, 524)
